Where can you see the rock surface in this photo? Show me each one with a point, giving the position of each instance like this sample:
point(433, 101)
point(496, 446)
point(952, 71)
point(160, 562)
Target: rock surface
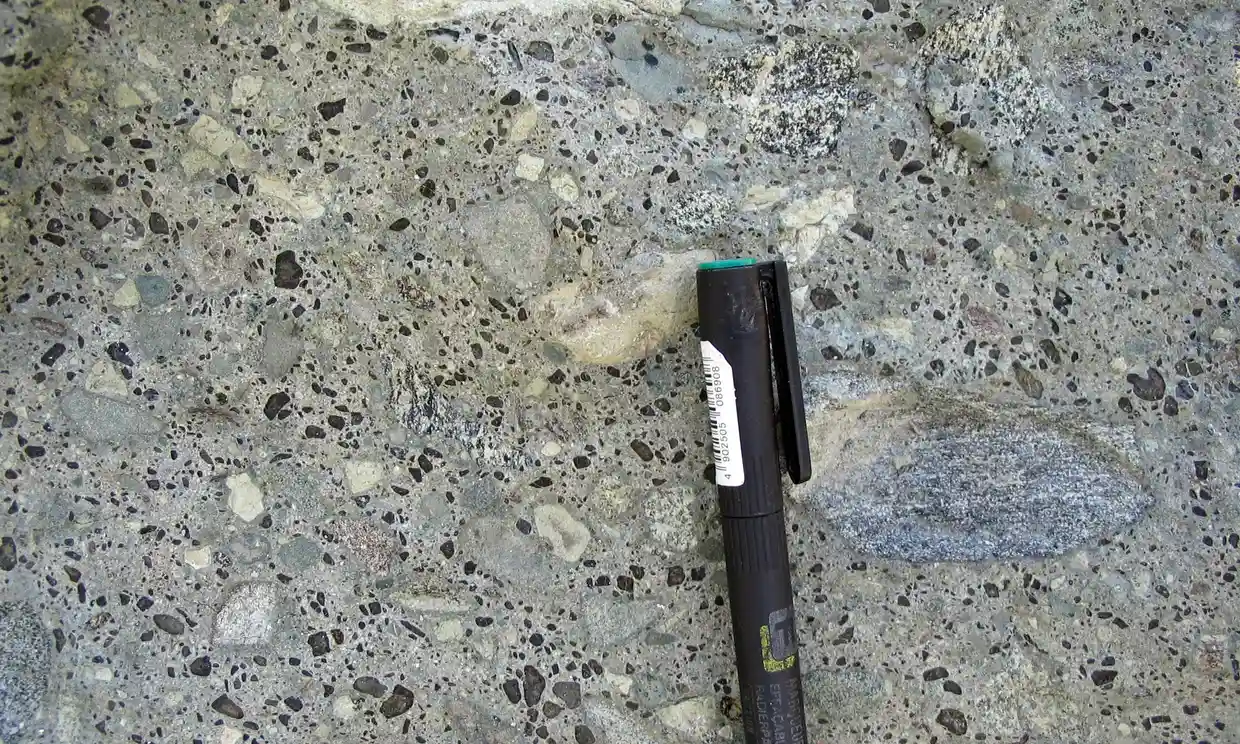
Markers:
point(420, 275)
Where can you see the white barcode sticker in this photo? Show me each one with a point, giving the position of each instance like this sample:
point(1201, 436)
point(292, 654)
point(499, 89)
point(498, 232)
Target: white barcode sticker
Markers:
point(725, 436)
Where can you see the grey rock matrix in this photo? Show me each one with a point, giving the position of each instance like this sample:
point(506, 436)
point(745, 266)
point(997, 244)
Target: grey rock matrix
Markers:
point(351, 390)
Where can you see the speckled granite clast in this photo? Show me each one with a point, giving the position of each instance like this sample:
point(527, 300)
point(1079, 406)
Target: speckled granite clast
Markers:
point(351, 390)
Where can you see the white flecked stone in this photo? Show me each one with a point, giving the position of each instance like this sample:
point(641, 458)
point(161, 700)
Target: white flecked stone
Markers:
point(244, 496)
point(198, 558)
point(568, 537)
point(363, 475)
point(247, 617)
point(450, 630)
point(127, 97)
point(523, 124)
point(628, 109)
point(126, 296)
point(698, 717)
point(343, 708)
point(230, 736)
point(104, 379)
point(564, 186)
point(694, 129)
point(245, 89)
point(211, 136)
point(621, 683)
point(529, 167)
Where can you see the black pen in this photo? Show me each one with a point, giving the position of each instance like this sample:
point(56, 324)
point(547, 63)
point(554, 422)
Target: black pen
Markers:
point(745, 317)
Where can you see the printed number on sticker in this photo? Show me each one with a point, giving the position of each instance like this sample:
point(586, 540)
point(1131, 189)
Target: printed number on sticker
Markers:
point(725, 436)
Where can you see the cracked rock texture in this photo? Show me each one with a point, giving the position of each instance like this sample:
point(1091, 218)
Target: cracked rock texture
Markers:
point(351, 389)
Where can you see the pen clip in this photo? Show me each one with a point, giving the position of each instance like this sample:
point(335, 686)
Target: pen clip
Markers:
point(793, 436)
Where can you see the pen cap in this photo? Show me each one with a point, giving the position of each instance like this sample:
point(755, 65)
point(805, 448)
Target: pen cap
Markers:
point(749, 352)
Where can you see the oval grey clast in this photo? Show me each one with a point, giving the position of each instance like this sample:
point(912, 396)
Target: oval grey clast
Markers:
point(24, 652)
point(923, 478)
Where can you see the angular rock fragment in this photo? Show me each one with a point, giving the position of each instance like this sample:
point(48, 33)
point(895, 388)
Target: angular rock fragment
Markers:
point(920, 477)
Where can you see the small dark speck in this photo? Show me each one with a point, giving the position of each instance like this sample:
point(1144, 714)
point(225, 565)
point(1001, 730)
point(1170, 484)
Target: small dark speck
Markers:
point(319, 645)
point(824, 298)
point(226, 707)
point(97, 16)
point(1151, 387)
point(331, 109)
point(8, 554)
point(541, 51)
point(512, 690)
point(862, 230)
point(1062, 301)
point(511, 98)
point(911, 167)
point(370, 686)
point(288, 272)
point(52, 354)
point(169, 624)
point(399, 703)
point(953, 720)
point(118, 351)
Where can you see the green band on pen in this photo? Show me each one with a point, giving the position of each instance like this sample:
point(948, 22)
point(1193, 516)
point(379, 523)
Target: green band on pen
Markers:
point(727, 263)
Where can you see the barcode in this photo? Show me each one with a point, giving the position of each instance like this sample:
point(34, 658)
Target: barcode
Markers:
point(725, 440)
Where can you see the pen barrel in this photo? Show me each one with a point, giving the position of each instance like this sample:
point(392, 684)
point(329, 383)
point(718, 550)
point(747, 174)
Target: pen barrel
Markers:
point(764, 629)
point(734, 330)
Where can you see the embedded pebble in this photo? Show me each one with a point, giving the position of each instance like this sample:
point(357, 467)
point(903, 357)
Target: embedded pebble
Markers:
point(198, 558)
point(511, 241)
point(631, 317)
point(889, 495)
point(568, 537)
point(101, 419)
point(105, 379)
point(245, 499)
point(245, 89)
point(152, 290)
point(698, 718)
point(24, 669)
point(127, 295)
point(565, 187)
point(450, 630)
point(247, 617)
point(363, 475)
point(529, 167)
point(212, 136)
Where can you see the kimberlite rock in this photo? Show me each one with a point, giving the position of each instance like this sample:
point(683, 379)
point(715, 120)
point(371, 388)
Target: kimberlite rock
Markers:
point(352, 387)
